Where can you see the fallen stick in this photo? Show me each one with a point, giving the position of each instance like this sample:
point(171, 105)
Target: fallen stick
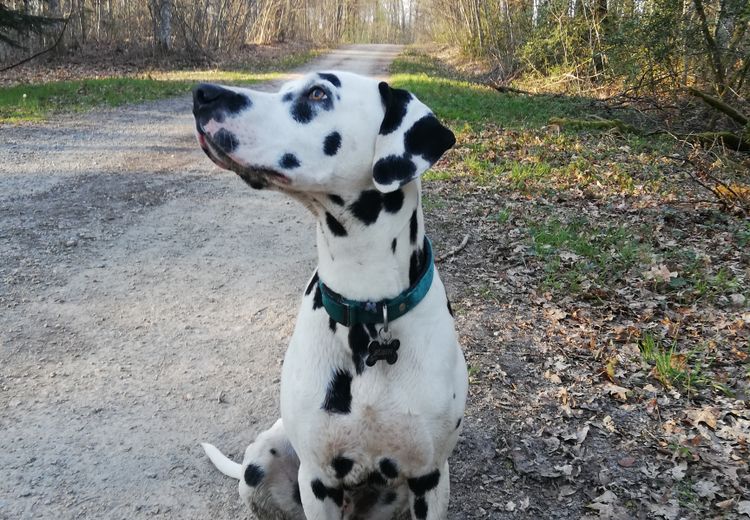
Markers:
point(455, 250)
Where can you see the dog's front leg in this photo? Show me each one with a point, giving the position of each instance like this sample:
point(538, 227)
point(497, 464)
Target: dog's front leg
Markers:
point(321, 500)
point(428, 495)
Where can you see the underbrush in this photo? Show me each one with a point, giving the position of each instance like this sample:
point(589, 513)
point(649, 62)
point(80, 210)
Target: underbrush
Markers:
point(619, 261)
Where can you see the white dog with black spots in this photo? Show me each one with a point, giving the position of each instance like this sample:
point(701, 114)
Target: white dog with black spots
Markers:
point(365, 432)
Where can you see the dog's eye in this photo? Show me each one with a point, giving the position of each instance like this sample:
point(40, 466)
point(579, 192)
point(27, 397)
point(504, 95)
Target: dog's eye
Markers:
point(317, 94)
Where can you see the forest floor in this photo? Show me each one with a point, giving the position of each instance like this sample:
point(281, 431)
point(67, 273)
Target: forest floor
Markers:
point(602, 301)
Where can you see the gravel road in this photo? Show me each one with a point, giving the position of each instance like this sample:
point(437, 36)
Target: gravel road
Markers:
point(147, 298)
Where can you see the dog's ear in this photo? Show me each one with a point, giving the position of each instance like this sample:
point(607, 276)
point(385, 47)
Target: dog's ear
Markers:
point(411, 139)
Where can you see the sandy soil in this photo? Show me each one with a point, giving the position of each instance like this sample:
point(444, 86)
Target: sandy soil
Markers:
point(146, 299)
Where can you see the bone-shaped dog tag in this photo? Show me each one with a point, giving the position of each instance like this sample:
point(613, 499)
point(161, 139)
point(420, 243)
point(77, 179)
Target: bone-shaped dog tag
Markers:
point(386, 350)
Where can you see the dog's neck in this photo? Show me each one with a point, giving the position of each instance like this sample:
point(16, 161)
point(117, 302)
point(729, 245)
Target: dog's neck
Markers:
point(370, 261)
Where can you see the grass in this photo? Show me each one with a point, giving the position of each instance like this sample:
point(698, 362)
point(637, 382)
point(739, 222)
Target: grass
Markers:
point(686, 371)
point(36, 102)
point(464, 103)
point(579, 253)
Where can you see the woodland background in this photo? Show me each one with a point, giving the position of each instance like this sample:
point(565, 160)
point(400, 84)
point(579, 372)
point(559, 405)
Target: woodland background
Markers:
point(642, 45)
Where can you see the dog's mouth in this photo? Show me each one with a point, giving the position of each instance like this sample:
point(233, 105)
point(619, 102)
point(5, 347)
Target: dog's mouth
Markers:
point(256, 177)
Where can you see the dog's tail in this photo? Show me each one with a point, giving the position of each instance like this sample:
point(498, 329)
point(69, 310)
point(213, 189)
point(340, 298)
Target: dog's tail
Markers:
point(222, 462)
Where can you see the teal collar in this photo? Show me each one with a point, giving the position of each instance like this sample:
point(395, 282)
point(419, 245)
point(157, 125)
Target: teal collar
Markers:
point(351, 312)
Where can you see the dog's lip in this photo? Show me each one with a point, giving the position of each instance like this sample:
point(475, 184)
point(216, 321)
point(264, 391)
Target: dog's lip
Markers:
point(226, 162)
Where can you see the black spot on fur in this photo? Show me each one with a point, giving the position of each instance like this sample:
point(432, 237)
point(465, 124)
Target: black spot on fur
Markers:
point(342, 466)
point(421, 485)
point(313, 283)
point(394, 168)
point(330, 77)
point(393, 246)
point(413, 227)
point(332, 143)
point(450, 309)
point(335, 226)
point(253, 475)
point(289, 161)
point(359, 340)
point(214, 102)
point(389, 497)
point(336, 199)
point(375, 479)
point(367, 206)
point(296, 495)
point(338, 397)
point(273, 452)
point(420, 507)
point(458, 423)
point(428, 138)
point(302, 111)
point(287, 97)
point(225, 140)
point(332, 324)
point(388, 468)
point(319, 489)
point(395, 101)
point(393, 201)
point(317, 298)
point(337, 495)
point(415, 267)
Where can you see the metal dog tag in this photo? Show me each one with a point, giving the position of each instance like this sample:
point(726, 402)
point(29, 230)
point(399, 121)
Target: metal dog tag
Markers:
point(384, 347)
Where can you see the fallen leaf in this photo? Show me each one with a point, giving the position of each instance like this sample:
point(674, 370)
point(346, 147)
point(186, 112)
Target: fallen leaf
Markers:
point(626, 462)
point(567, 256)
point(552, 377)
point(678, 472)
point(705, 415)
point(609, 424)
point(619, 392)
point(743, 507)
point(565, 491)
point(706, 489)
point(670, 510)
point(660, 273)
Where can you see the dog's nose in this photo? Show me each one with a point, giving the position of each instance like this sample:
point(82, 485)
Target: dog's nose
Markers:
point(208, 97)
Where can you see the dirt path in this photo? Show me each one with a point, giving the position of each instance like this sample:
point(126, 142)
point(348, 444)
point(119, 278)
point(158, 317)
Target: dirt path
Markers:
point(146, 304)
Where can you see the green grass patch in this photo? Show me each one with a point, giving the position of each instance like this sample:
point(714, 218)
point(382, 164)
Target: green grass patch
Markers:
point(698, 280)
point(36, 102)
point(578, 255)
point(689, 371)
point(463, 102)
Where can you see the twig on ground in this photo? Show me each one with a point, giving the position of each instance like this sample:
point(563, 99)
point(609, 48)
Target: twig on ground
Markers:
point(454, 251)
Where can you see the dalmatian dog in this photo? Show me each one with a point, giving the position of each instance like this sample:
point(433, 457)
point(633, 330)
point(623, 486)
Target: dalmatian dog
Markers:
point(374, 383)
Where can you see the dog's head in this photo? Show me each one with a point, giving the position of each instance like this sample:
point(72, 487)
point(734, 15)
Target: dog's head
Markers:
point(328, 132)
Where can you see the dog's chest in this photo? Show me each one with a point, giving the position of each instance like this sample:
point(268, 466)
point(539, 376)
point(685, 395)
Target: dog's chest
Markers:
point(342, 410)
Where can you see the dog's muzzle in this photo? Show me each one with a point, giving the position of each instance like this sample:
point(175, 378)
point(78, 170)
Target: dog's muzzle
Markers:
point(215, 103)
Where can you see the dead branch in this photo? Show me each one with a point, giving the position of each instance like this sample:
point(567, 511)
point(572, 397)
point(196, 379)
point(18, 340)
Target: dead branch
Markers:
point(42, 52)
point(506, 89)
point(720, 106)
point(726, 139)
point(455, 250)
point(596, 124)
